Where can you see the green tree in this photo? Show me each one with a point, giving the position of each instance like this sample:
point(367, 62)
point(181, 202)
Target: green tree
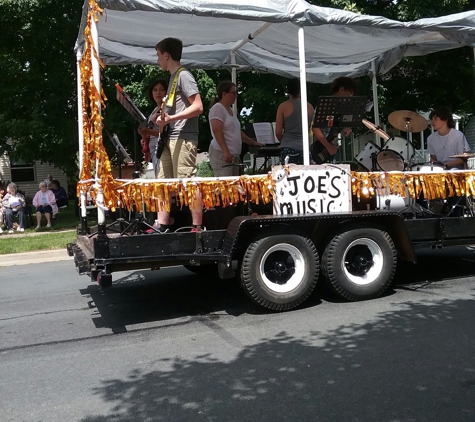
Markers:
point(38, 97)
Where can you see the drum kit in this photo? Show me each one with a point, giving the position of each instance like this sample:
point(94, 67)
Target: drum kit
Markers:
point(397, 153)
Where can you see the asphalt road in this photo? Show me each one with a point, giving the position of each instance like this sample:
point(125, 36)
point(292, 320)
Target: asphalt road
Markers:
point(170, 346)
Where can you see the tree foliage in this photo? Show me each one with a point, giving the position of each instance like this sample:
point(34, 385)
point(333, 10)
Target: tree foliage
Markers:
point(38, 104)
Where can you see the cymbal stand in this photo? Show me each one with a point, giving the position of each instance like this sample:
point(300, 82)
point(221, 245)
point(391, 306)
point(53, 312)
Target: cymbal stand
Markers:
point(409, 159)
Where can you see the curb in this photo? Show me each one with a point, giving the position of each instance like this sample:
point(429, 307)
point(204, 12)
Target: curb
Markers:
point(36, 257)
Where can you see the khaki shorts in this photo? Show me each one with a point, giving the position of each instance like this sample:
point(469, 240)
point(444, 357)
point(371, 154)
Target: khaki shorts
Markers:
point(219, 165)
point(178, 159)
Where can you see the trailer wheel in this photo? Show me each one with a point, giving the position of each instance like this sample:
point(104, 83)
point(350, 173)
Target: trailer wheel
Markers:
point(279, 272)
point(360, 263)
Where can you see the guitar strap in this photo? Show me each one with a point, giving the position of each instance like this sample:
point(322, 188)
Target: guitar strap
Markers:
point(169, 104)
point(171, 94)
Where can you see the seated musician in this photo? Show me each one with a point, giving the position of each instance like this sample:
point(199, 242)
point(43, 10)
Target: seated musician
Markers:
point(288, 124)
point(340, 87)
point(446, 141)
point(443, 143)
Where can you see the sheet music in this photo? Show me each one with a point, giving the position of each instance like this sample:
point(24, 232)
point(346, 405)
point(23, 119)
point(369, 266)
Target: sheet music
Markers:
point(264, 133)
point(129, 105)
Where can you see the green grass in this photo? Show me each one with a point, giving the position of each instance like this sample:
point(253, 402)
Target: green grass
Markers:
point(48, 241)
point(63, 231)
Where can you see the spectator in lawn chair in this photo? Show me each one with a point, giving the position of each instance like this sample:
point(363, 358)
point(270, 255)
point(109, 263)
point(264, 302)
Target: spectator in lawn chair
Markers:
point(2, 193)
point(45, 203)
point(59, 193)
point(14, 204)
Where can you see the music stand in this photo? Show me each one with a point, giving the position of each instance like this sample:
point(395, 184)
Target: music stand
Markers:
point(121, 154)
point(136, 114)
point(130, 106)
point(335, 113)
point(339, 112)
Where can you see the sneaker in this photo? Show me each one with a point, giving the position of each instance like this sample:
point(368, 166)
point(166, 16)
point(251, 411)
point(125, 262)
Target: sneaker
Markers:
point(198, 229)
point(37, 228)
point(10, 231)
point(20, 229)
point(48, 226)
point(1, 231)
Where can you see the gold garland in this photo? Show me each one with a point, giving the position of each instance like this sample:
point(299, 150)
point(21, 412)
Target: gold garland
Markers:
point(96, 163)
point(214, 192)
point(432, 186)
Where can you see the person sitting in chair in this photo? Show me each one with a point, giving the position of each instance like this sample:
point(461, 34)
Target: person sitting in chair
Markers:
point(443, 143)
point(14, 204)
point(45, 203)
point(59, 193)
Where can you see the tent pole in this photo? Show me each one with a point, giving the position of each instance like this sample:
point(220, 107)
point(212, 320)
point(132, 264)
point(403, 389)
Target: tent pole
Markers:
point(96, 74)
point(80, 130)
point(234, 79)
point(250, 37)
point(80, 110)
point(303, 96)
point(375, 100)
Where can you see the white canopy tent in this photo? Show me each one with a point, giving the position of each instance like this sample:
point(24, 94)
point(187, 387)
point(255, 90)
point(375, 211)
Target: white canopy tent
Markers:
point(263, 35)
point(290, 38)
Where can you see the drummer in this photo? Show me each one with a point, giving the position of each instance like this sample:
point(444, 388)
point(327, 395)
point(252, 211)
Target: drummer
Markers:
point(446, 141)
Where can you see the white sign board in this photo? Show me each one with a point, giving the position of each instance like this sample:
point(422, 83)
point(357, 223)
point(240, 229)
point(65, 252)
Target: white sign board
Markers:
point(312, 189)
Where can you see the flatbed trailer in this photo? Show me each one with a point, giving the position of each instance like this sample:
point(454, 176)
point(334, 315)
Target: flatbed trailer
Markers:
point(280, 258)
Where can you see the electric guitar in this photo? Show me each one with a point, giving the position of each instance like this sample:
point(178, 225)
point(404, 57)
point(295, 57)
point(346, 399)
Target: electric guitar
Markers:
point(163, 132)
point(319, 153)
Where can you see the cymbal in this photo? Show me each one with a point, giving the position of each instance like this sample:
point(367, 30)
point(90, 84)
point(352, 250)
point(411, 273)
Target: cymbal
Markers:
point(376, 129)
point(464, 155)
point(415, 122)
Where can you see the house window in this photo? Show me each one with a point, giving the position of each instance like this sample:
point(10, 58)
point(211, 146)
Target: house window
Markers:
point(22, 171)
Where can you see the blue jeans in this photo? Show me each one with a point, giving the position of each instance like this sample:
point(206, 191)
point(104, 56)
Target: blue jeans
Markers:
point(9, 214)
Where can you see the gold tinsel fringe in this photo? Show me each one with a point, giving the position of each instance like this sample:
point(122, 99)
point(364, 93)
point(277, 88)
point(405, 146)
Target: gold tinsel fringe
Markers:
point(157, 195)
point(414, 184)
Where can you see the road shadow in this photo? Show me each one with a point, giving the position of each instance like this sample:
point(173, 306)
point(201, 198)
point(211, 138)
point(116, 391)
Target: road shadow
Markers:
point(148, 296)
point(169, 294)
point(437, 264)
point(414, 363)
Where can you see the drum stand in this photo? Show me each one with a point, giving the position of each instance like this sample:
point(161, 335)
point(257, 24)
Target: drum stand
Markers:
point(409, 162)
point(374, 161)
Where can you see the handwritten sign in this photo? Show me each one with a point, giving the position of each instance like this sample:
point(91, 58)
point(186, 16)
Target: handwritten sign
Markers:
point(312, 189)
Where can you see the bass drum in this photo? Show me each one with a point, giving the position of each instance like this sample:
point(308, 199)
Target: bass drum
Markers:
point(364, 157)
point(389, 160)
point(400, 146)
point(427, 167)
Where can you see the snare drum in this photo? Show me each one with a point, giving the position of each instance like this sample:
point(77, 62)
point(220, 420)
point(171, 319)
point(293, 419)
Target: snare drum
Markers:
point(364, 157)
point(427, 167)
point(389, 160)
point(401, 146)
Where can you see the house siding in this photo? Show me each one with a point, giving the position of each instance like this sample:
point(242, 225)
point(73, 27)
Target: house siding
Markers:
point(41, 173)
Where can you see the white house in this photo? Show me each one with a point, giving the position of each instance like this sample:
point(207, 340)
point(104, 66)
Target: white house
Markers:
point(27, 176)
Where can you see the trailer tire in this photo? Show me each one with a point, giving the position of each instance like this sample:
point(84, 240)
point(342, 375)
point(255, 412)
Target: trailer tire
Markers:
point(279, 272)
point(359, 264)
